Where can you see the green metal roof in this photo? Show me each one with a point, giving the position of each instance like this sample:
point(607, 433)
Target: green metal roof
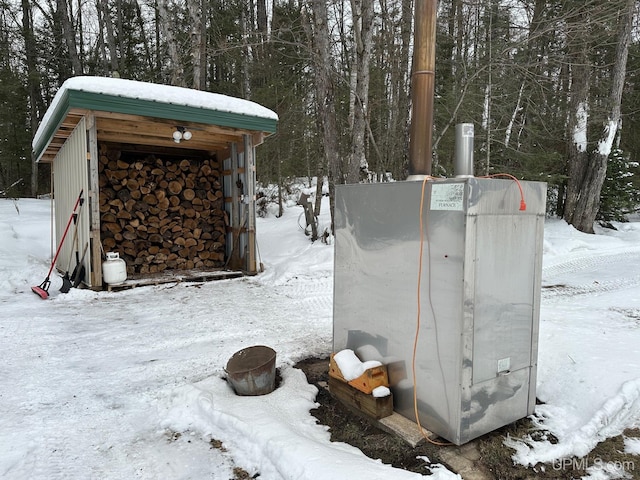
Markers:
point(71, 98)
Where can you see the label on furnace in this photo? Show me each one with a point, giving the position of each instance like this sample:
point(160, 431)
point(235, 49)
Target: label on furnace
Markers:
point(447, 196)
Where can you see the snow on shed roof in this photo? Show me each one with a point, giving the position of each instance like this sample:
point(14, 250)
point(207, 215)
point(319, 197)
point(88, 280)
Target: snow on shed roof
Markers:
point(164, 101)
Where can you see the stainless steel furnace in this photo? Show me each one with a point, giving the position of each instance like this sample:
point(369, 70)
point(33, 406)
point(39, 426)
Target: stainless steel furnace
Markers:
point(479, 297)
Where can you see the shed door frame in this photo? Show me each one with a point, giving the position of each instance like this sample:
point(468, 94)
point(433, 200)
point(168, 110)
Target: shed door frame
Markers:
point(239, 177)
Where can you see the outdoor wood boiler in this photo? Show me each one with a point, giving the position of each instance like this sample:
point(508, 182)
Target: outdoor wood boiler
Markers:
point(478, 261)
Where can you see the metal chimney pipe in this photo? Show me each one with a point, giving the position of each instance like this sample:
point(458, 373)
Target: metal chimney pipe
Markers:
point(463, 160)
point(422, 88)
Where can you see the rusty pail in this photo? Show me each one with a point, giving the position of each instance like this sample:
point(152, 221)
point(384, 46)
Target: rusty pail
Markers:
point(252, 370)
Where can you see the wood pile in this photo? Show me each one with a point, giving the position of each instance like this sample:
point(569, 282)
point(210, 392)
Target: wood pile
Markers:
point(162, 214)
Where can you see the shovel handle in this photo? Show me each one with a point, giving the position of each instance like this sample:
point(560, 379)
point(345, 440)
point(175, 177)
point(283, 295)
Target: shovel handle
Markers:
point(64, 235)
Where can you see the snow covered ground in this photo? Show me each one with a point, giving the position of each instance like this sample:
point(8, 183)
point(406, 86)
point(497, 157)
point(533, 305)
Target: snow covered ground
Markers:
point(129, 384)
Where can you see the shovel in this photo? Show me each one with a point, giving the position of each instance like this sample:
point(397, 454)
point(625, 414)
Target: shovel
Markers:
point(66, 279)
point(79, 271)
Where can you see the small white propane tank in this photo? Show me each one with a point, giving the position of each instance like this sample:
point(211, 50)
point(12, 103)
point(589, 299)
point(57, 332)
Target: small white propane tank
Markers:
point(114, 269)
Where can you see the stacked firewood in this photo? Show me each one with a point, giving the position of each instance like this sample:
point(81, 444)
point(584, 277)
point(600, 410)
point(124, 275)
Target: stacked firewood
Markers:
point(162, 214)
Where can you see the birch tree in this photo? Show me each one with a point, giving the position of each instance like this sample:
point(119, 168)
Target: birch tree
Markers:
point(578, 115)
point(587, 169)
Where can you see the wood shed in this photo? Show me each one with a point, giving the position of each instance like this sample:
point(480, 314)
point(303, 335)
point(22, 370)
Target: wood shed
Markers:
point(168, 176)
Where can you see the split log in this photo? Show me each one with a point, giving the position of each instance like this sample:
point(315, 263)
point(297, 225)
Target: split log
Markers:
point(175, 187)
point(188, 194)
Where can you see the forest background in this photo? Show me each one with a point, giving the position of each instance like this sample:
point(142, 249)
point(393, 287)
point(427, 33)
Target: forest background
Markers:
point(548, 84)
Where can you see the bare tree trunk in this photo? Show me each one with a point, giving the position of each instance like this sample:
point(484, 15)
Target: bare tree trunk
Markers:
point(81, 35)
point(261, 18)
point(318, 31)
point(33, 83)
point(69, 37)
point(120, 28)
point(402, 84)
point(362, 11)
point(459, 15)
point(102, 44)
point(203, 45)
point(577, 150)
point(588, 201)
point(157, 35)
point(530, 75)
point(195, 13)
point(246, 52)
point(111, 39)
point(488, 92)
point(177, 69)
point(140, 21)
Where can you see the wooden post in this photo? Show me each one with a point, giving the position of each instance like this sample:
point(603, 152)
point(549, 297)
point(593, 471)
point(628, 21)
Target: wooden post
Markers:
point(250, 202)
point(305, 202)
point(95, 254)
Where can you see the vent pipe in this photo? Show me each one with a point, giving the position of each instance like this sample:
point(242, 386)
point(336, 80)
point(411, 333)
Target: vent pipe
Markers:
point(463, 160)
point(422, 88)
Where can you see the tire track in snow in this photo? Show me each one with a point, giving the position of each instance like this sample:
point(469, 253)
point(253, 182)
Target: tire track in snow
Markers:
point(48, 451)
point(52, 457)
point(589, 261)
point(312, 295)
point(597, 287)
point(629, 260)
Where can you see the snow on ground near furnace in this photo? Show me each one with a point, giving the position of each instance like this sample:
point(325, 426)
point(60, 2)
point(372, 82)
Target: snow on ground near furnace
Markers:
point(129, 384)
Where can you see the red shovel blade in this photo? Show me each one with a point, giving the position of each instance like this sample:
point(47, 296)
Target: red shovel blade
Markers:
point(41, 292)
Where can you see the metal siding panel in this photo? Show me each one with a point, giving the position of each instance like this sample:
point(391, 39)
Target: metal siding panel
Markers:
point(503, 320)
point(537, 293)
point(497, 402)
point(70, 177)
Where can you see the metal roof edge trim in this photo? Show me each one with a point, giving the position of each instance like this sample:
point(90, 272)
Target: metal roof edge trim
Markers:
point(52, 126)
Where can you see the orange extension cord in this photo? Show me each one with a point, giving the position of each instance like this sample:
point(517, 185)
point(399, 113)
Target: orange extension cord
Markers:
point(523, 207)
point(523, 204)
point(415, 342)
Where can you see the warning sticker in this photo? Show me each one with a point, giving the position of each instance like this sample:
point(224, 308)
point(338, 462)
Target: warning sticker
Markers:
point(447, 196)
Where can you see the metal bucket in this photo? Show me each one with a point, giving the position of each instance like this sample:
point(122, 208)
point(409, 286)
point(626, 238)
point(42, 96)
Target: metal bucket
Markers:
point(252, 370)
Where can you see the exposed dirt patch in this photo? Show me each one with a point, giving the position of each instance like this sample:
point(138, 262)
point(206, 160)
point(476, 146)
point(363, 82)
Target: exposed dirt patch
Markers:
point(494, 458)
point(359, 431)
